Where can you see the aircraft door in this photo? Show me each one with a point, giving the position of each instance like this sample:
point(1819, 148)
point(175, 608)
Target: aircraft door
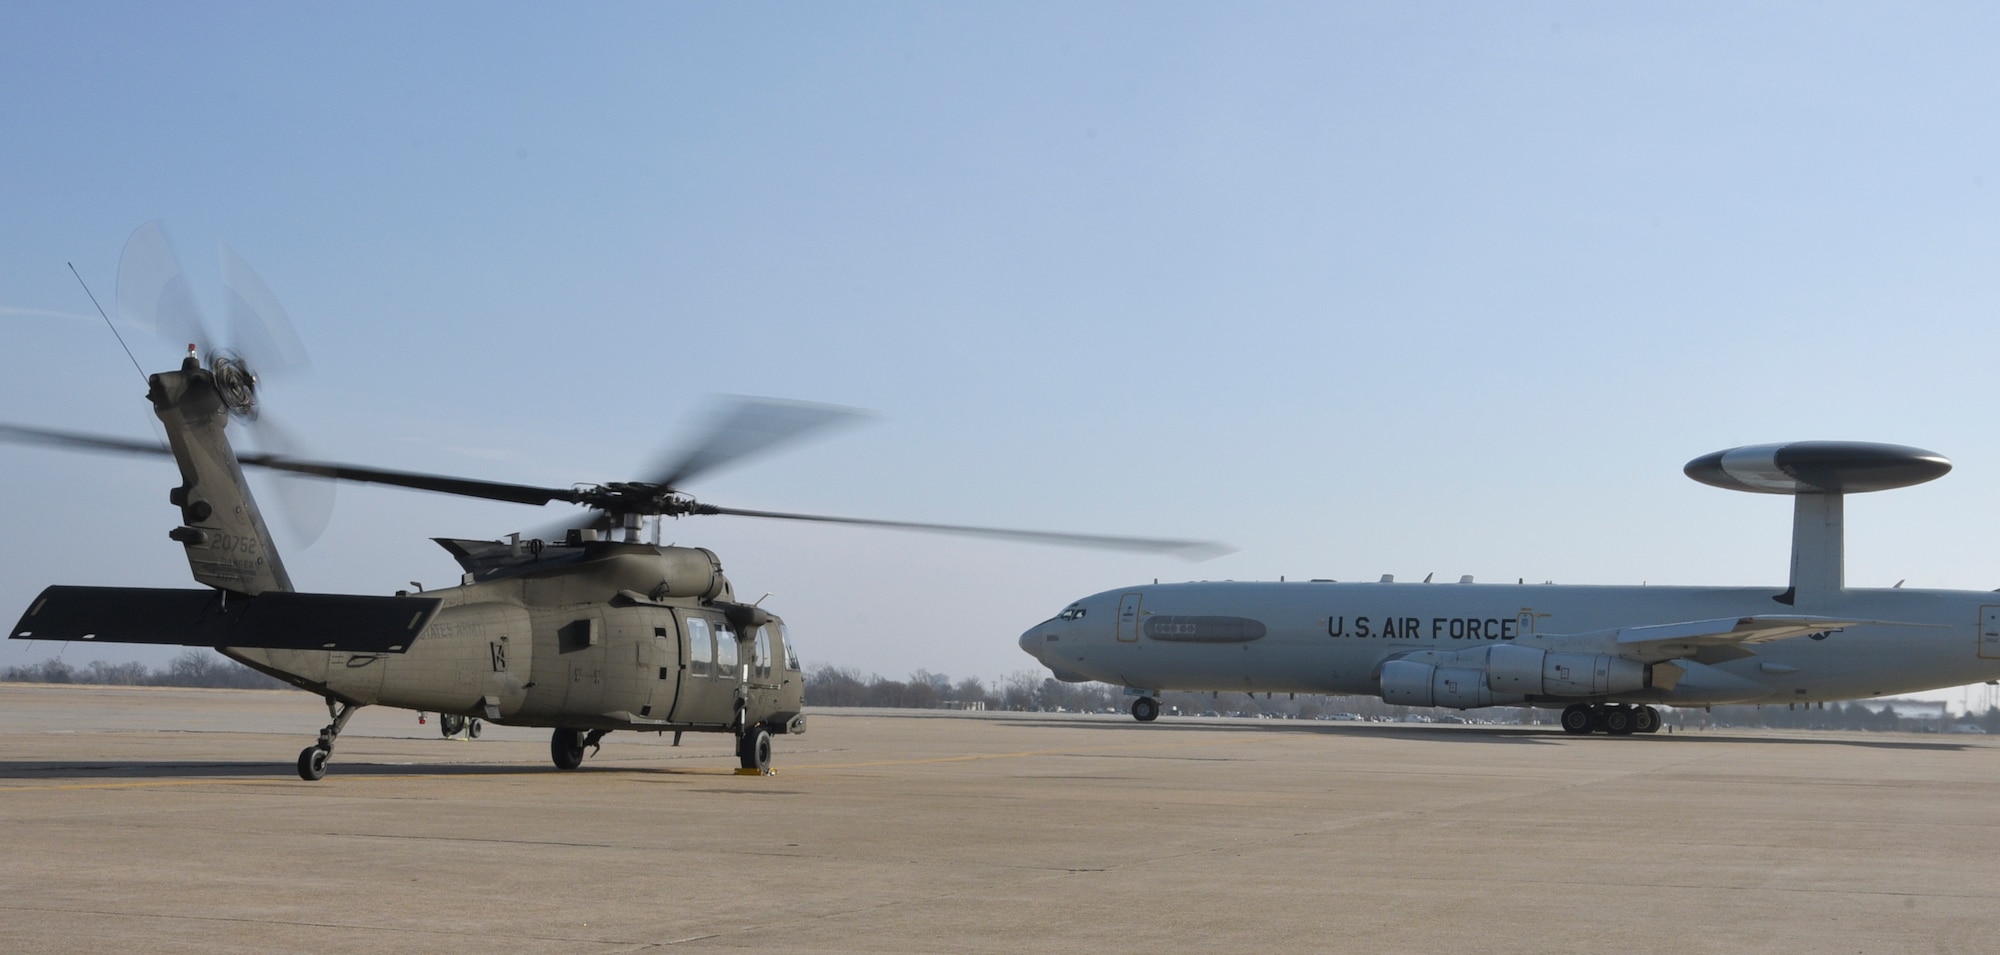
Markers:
point(665, 674)
point(1128, 618)
point(1989, 632)
point(708, 678)
point(766, 675)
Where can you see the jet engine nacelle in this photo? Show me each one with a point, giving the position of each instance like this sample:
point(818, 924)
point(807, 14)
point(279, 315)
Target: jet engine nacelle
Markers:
point(1498, 676)
point(1409, 683)
point(1534, 672)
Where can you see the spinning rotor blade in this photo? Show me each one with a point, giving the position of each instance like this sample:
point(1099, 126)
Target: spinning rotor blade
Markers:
point(17, 434)
point(306, 503)
point(153, 291)
point(259, 329)
point(1185, 549)
point(464, 487)
point(743, 427)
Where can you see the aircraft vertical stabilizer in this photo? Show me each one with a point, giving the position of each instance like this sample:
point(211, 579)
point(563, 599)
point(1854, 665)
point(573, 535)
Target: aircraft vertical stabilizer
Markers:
point(228, 545)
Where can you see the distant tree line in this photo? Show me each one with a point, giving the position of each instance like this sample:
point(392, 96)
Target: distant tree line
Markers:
point(194, 667)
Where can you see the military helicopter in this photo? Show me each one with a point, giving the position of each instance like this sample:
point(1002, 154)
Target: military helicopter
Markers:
point(588, 633)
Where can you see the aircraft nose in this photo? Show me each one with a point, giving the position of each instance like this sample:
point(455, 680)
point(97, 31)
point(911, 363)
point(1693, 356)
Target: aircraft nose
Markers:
point(1030, 643)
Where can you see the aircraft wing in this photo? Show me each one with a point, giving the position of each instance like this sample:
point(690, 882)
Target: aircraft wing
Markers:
point(1668, 641)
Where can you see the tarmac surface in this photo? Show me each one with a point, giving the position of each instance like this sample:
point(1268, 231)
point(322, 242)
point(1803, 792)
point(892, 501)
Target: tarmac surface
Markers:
point(166, 820)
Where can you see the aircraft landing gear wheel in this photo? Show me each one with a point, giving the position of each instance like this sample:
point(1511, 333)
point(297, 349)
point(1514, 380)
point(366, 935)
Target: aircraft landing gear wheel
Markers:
point(1645, 719)
point(753, 750)
point(449, 724)
point(472, 729)
point(566, 749)
point(1145, 709)
point(312, 764)
point(1619, 721)
point(1576, 719)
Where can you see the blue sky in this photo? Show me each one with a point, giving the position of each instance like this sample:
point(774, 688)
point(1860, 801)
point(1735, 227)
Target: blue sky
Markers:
point(1357, 288)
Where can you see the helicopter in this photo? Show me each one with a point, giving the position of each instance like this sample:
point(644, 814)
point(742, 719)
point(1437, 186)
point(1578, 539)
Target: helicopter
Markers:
point(593, 631)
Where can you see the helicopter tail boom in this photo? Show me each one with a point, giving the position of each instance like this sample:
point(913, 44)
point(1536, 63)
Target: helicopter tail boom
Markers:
point(228, 544)
point(211, 618)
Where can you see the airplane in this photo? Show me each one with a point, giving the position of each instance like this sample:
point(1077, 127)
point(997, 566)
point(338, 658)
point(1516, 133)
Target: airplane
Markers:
point(1608, 656)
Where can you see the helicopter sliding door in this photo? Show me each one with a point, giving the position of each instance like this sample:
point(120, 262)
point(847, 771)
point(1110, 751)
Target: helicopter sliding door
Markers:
point(709, 680)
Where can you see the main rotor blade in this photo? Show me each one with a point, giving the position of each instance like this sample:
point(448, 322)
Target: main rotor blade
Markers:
point(746, 426)
point(1185, 549)
point(153, 290)
point(465, 487)
point(19, 434)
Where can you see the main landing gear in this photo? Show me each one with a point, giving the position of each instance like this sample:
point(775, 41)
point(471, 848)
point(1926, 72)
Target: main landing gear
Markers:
point(753, 751)
point(1145, 709)
point(1611, 719)
point(566, 746)
point(312, 759)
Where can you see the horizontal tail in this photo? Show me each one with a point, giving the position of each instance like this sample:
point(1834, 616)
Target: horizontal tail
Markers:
point(275, 620)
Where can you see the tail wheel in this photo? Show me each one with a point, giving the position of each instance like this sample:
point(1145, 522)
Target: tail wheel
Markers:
point(753, 750)
point(312, 764)
point(1576, 719)
point(566, 749)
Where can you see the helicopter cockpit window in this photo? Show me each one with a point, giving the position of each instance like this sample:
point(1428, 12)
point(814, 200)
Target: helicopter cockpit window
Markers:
point(791, 652)
point(760, 657)
point(725, 652)
point(1071, 613)
point(700, 649)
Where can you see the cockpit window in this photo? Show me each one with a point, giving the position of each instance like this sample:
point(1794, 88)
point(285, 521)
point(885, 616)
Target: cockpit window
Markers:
point(1071, 613)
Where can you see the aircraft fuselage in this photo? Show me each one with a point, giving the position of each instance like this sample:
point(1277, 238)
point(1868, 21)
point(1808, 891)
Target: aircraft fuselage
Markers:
point(1335, 638)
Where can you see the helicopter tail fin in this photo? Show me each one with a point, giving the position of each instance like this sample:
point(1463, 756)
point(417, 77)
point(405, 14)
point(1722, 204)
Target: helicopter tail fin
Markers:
point(208, 618)
point(228, 544)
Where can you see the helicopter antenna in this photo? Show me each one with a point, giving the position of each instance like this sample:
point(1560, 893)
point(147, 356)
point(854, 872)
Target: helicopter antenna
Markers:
point(107, 320)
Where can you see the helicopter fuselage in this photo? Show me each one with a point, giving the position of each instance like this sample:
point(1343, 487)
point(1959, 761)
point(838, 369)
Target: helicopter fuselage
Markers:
point(606, 636)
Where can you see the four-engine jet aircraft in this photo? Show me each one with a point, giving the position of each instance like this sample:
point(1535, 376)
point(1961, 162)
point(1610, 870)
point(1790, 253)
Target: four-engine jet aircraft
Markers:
point(1605, 654)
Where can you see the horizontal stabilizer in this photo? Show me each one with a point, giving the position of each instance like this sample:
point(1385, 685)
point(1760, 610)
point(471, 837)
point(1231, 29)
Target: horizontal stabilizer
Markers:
point(275, 620)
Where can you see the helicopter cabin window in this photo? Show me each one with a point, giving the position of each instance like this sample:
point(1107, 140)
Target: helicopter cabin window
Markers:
point(700, 650)
point(760, 658)
point(791, 652)
point(725, 652)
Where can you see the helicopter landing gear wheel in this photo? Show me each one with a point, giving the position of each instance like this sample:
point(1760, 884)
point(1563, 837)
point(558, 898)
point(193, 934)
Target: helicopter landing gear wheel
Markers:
point(1577, 719)
point(1145, 709)
point(1645, 719)
point(753, 750)
point(566, 749)
point(312, 764)
point(312, 759)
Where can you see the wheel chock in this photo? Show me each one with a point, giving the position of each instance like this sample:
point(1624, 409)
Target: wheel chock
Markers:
point(741, 771)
